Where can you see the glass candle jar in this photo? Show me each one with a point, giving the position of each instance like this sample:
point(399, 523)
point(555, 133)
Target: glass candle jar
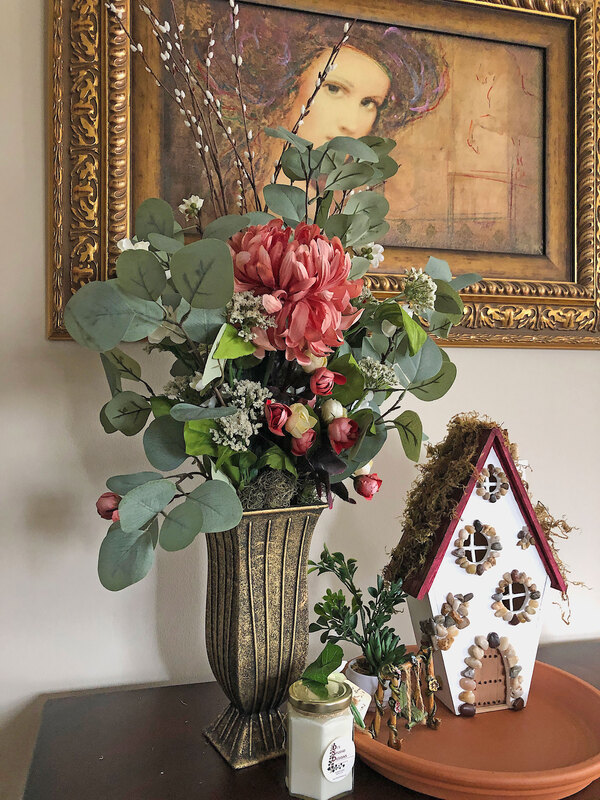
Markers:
point(320, 742)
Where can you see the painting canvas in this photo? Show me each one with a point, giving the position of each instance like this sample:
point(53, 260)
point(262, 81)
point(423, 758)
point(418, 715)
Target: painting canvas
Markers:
point(467, 115)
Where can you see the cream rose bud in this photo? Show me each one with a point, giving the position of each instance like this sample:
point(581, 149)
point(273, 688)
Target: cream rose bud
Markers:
point(332, 409)
point(388, 328)
point(366, 470)
point(316, 362)
point(299, 420)
point(127, 244)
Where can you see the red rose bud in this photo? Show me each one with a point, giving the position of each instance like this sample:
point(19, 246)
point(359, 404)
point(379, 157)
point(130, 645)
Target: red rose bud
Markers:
point(343, 433)
point(277, 415)
point(302, 445)
point(367, 485)
point(107, 504)
point(323, 380)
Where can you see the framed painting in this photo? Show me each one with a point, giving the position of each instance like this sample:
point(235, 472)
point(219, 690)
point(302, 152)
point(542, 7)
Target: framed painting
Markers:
point(493, 107)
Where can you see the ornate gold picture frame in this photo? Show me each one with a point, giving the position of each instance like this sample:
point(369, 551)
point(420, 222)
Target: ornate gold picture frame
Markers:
point(550, 298)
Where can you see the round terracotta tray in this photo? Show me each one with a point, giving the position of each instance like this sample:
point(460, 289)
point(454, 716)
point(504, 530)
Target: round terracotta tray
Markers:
point(547, 751)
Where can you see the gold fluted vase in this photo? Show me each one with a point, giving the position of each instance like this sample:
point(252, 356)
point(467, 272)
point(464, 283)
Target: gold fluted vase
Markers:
point(257, 626)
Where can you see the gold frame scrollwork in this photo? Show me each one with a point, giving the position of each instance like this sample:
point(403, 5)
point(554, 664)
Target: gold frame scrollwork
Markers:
point(89, 178)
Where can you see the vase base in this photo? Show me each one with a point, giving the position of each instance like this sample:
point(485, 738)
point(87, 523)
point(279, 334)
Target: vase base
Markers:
point(246, 739)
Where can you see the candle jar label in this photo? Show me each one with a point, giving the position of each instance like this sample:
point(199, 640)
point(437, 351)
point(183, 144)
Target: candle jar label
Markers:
point(338, 759)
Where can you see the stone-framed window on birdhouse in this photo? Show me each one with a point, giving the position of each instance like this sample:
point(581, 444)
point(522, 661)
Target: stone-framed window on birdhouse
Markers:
point(477, 548)
point(514, 596)
point(492, 484)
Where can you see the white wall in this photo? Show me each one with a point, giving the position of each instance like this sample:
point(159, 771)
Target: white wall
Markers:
point(60, 630)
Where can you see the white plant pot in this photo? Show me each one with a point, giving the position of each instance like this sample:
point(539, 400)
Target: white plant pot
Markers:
point(366, 682)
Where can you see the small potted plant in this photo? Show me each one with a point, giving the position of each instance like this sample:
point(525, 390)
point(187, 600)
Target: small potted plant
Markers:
point(361, 623)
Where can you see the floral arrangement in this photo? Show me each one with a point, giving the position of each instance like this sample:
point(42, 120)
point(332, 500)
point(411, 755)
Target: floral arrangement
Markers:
point(361, 623)
point(280, 356)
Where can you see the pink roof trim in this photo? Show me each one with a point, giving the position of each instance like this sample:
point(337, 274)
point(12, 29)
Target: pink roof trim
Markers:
point(420, 585)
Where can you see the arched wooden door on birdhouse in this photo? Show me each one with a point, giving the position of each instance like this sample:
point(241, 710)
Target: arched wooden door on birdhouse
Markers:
point(490, 680)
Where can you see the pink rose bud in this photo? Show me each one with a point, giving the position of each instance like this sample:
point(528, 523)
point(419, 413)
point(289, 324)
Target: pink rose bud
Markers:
point(343, 433)
point(277, 415)
point(302, 445)
point(367, 485)
point(107, 504)
point(115, 516)
point(323, 380)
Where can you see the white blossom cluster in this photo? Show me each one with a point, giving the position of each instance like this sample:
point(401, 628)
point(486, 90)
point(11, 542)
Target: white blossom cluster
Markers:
point(365, 296)
point(235, 431)
point(376, 375)
point(248, 396)
point(190, 206)
point(177, 386)
point(373, 252)
point(247, 310)
point(419, 290)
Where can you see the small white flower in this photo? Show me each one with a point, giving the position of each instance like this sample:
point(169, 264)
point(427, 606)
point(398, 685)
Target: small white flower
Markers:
point(366, 470)
point(146, 10)
point(140, 48)
point(239, 61)
point(127, 244)
point(209, 95)
point(180, 27)
point(346, 27)
point(236, 24)
point(191, 206)
point(374, 252)
point(332, 409)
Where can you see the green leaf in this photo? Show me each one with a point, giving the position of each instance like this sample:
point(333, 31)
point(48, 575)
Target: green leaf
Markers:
point(281, 133)
point(348, 176)
point(139, 273)
point(122, 484)
point(203, 273)
point(127, 367)
point(415, 334)
point(187, 411)
point(231, 345)
point(360, 266)
point(410, 428)
point(462, 281)
point(258, 217)
point(426, 363)
point(438, 269)
point(221, 507)
point(97, 315)
point(385, 168)
point(448, 302)
point(225, 227)
point(287, 201)
point(181, 525)
point(113, 376)
point(373, 203)
point(197, 437)
point(355, 383)
point(437, 386)
point(369, 448)
point(380, 145)
point(166, 244)
point(128, 412)
point(276, 458)
point(164, 443)
point(355, 148)
point(108, 426)
point(374, 233)
point(323, 209)
point(202, 324)
point(154, 216)
point(144, 502)
point(161, 405)
point(147, 316)
point(124, 558)
point(327, 662)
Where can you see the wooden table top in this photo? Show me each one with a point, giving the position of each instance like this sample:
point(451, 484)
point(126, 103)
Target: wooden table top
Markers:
point(147, 744)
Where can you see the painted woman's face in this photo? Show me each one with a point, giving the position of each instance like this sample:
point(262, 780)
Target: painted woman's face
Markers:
point(348, 101)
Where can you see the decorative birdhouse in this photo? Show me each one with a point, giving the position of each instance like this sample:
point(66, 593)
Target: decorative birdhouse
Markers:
point(477, 567)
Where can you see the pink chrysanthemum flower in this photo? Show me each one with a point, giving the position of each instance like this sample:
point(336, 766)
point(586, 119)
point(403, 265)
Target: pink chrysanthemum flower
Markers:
point(303, 282)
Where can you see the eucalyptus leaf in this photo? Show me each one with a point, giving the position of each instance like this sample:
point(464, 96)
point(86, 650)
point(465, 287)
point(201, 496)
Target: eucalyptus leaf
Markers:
point(379, 145)
point(113, 376)
point(221, 507)
point(386, 168)
point(281, 133)
point(154, 216)
point(139, 273)
point(203, 324)
point(147, 316)
point(97, 315)
point(369, 448)
point(438, 269)
point(166, 244)
point(141, 504)
point(348, 176)
point(126, 366)
point(355, 148)
point(203, 273)
point(410, 428)
point(186, 411)
point(258, 217)
point(287, 201)
point(462, 281)
point(124, 558)
point(373, 203)
point(164, 443)
point(104, 421)
point(423, 365)
point(225, 227)
point(323, 207)
point(128, 412)
point(360, 266)
point(448, 302)
point(437, 386)
point(374, 233)
point(181, 525)
point(122, 484)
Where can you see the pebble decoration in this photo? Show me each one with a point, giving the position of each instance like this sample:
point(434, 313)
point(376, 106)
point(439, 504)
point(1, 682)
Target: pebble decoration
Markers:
point(444, 627)
point(494, 546)
point(531, 598)
point(492, 484)
point(525, 538)
point(514, 679)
